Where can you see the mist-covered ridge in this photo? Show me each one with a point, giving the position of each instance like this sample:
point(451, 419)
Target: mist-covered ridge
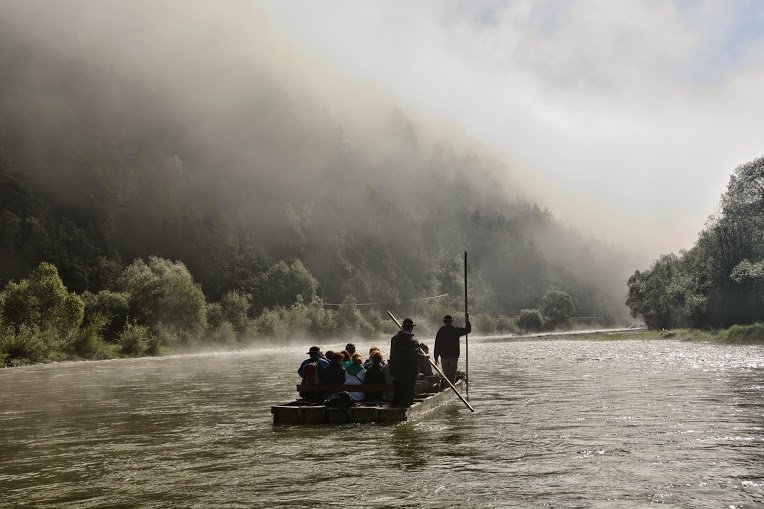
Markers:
point(195, 132)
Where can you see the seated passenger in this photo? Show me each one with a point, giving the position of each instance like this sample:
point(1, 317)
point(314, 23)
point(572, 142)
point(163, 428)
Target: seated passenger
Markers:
point(375, 375)
point(373, 349)
point(346, 359)
point(315, 358)
point(350, 347)
point(355, 375)
point(310, 372)
point(333, 373)
point(425, 367)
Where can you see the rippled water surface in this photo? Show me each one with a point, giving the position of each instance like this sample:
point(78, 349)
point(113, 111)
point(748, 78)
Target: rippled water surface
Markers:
point(558, 424)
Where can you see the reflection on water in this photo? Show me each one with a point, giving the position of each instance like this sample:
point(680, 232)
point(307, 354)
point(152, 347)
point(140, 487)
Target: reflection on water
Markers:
point(409, 445)
point(564, 424)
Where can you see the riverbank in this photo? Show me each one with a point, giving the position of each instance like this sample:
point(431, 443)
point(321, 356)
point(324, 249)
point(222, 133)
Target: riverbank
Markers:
point(737, 334)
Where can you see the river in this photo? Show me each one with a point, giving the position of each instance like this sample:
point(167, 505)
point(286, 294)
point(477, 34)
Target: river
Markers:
point(558, 424)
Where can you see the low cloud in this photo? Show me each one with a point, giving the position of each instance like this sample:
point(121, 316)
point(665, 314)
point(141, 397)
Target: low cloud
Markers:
point(626, 117)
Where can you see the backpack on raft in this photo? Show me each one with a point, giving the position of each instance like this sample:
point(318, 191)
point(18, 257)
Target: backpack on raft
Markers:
point(310, 373)
point(339, 400)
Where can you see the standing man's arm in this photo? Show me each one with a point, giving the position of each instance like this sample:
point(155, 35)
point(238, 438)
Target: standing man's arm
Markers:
point(436, 350)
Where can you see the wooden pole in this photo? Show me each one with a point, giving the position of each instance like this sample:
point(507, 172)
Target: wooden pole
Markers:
point(466, 336)
point(436, 367)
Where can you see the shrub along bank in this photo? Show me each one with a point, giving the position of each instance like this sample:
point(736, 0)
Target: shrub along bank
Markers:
point(156, 307)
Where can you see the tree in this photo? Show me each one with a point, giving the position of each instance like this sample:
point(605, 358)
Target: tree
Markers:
point(557, 307)
point(42, 302)
point(112, 308)
point(282, 283)
point(235, 308)
point(529, 320)
point(163, 294)
point(653, 293)
point(349, 318)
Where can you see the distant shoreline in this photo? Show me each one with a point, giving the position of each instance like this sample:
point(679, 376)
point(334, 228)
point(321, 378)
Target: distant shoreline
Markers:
point(641, 334)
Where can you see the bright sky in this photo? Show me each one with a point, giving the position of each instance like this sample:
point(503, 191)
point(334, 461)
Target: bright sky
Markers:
point(634, 112)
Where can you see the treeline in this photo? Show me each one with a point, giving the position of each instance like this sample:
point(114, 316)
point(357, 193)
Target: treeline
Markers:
point(719, 281)
point(156, 304)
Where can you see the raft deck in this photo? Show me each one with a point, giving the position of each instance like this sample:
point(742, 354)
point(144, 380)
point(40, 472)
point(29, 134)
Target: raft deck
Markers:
point(304, 411)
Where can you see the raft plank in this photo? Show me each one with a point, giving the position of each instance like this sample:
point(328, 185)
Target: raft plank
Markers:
point(306, 412)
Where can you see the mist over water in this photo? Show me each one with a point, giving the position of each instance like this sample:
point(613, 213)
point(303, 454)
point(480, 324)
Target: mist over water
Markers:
point(564, 423)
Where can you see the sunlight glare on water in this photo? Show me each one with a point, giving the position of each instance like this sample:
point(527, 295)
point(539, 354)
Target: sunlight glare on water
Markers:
point(558, 423)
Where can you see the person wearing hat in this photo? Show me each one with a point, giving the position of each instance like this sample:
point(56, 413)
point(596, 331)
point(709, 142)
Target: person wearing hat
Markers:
point(447, 345)
point(315, 356)
point(404, 364)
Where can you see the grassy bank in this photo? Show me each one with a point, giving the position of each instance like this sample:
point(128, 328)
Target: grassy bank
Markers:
point(737, 334)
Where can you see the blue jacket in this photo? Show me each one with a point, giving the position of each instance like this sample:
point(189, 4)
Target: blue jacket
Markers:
point(322, 363)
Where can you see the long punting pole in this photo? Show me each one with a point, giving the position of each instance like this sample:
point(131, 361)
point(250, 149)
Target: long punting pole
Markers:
point(466, 336)
point(436, 367)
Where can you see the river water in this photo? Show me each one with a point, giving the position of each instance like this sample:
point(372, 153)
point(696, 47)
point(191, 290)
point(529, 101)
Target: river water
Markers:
point(558, 424)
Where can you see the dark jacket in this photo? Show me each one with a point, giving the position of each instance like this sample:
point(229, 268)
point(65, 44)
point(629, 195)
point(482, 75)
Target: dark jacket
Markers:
point(322, 363)
point(374, 375)
point(333, 373)
point(447, 340)
point(424, 366)
point(404, 355)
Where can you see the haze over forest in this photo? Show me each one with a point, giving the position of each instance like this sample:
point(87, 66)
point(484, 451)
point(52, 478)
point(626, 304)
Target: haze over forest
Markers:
point(141, 128)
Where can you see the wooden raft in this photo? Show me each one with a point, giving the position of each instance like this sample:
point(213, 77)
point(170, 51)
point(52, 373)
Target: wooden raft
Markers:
point(303, 411)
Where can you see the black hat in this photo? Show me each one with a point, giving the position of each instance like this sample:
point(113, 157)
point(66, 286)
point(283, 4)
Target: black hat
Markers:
point(408, 321)
point(314, 350)
point(350, 347)
point(448, 318)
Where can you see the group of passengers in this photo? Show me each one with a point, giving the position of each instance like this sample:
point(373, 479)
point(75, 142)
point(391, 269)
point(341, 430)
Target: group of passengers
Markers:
point(348, 367)
point(410, 360)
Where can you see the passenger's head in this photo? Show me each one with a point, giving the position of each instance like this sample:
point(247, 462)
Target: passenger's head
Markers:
point(315, 351)
point(329, 355)
point(376, 358)
point(345, 355)
point(350, 347)
point(357, 359)
point(372, 349)
point(337, 357)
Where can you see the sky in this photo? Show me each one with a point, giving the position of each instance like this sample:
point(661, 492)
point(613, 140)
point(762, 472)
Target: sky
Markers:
point(628, 115)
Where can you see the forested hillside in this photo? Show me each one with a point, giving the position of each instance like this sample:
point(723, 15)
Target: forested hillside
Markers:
point(199, 135)
point(720, 281)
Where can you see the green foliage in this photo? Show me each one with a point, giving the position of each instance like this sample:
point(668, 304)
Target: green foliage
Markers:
point(135, 340)
point(719, 281)
point(483, 323)
point(42, 302)
point(88, 342)
point(529, 320)
point(215, 317)
point(505, 324)
point(235, 308)
point(349, 317)
point(110, 307)
point(557, 308)
point(744, 334)
point(24, 344)
point(282, 283)
point(747, 271)
point(321, 321)
point(163, 294)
